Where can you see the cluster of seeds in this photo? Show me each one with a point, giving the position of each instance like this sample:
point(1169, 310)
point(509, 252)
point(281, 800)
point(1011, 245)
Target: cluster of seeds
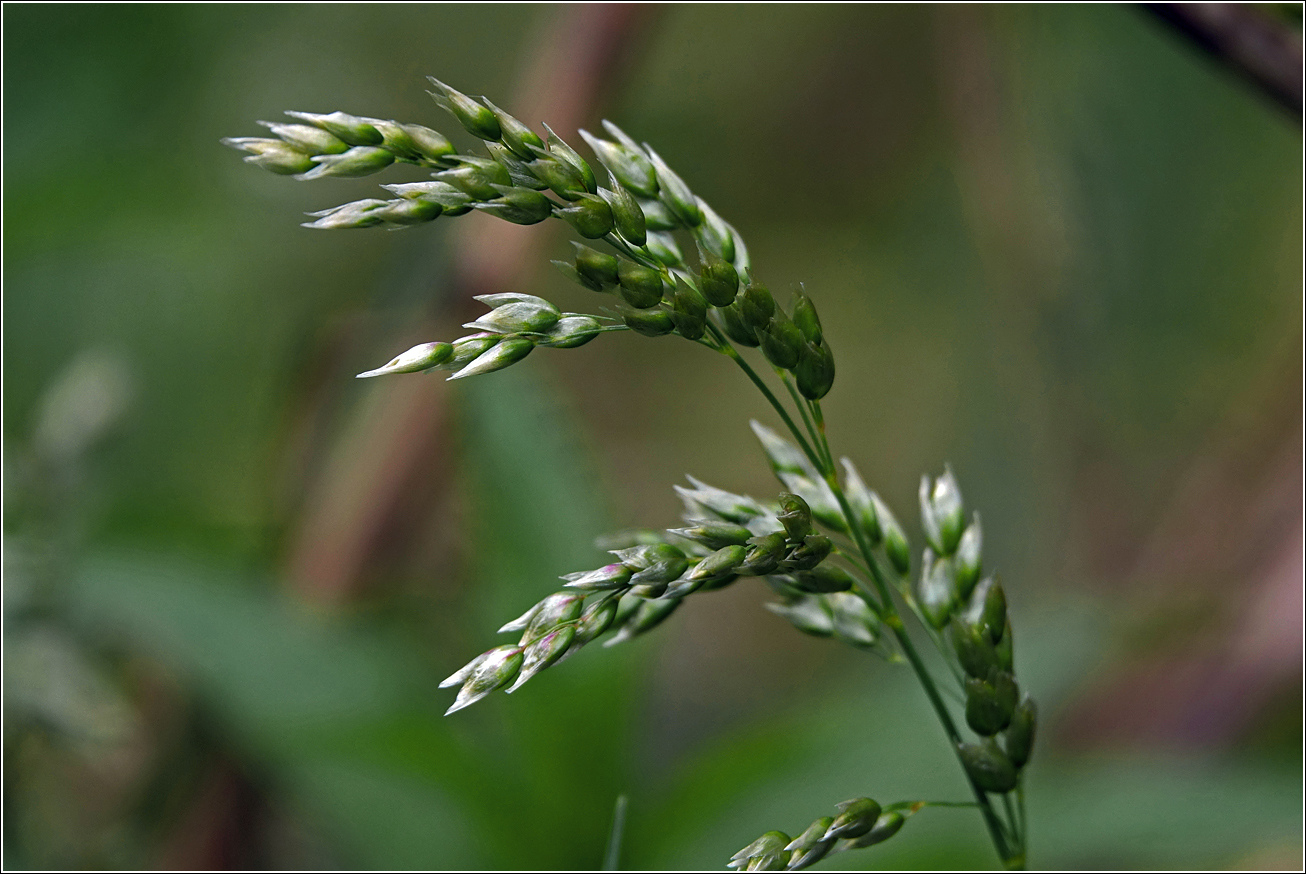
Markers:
point(515, 325)
point(952, 595)
point(872, 515)
point(726, 536)
point(860, 823)
point(644, 203)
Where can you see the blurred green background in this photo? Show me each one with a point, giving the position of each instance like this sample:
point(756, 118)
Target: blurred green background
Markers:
point(1055, 247)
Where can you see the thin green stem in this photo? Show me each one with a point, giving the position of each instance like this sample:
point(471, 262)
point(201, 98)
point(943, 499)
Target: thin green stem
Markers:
point(730, 350)
point(802, 411)
point(885, 606)
point(852, 560)
point(639, 256)
point(612, 857)
point(914, 806)
point(1011, 819)
point(894, 621)
point(937, 638)
point(1020, 809)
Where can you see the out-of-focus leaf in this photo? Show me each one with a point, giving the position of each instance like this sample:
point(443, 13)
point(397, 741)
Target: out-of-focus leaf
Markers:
point(538, 505)
point(871, 733)
point(277, 668)
point(315, 700)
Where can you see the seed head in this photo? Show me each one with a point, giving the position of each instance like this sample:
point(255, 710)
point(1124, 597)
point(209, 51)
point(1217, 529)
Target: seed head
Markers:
point(815, 371)
point(596, 619)
point(467, 349)
point(514, 134)
point(645, 616)
point(373, 213)
point(554, 610)
point(564, 152)
point(765, 554)
point(988, 712)
point(572, 331)
point(627, 163)
point(938, 587)
point(275, 156)
point(854, 622)
point(1019, 738)
point(307, 138)
point(650, 322)
point(612, 576)
point(856, 818)
point(895, 541)
point(988, 766)
point(421, 357)
point(795, 515)
point(626, 213)
point(403, 213)
point(823, 579)
point(993, 612)
point(662, 245)
point(544, 651)
point(454, 200)
point(349, 128)
point(811, 846)
point(705, 501)
point(813, 550)
point(515, 313)
point(806, 319)
point(942, 514)
point(817, 494)
point(489, 671)
point(429, 144)
point(721, 563)
point(757, 306)
point(784, 456)
point(395, 138)
point(859, 498)
point(518, 171)
point(641, 286)
point(1004, 649)
point(477, 119)
point(476, 177)
point(732, 321)
point(688, 311)
point(975, 652)
point(521, 206)
point(565, 180)
point(590, 215)
point(656, 215)
point(888, 825)
point(503, 354)
point(660, 563)
point(673, 192)
point(810, 614)
point(715, 535)
point(718, 280)
point(767, 853)
point(968, 559)
point(597, 268)
point(714, 235)
point(781, 341)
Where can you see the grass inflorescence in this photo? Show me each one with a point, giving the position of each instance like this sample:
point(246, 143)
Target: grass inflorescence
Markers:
point(829, 548)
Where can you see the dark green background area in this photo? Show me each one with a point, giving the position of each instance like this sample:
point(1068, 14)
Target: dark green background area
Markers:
point(1045, 242)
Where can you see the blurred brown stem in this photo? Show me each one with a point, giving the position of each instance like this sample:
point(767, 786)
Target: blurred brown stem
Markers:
point(362, 492)
point(1259, 48)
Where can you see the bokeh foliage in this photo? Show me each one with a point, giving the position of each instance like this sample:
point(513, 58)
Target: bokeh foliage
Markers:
point(1036, 235)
